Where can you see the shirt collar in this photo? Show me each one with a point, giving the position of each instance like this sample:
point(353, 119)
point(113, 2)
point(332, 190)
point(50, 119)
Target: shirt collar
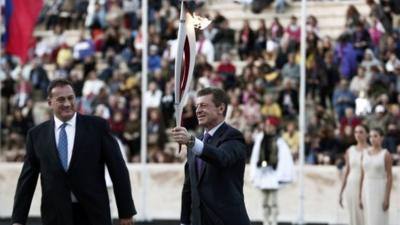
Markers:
point(71, 122)
point(213, 130)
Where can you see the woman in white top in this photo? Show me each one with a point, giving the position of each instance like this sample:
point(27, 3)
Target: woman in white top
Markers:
point(351, 183)
point(376, 181)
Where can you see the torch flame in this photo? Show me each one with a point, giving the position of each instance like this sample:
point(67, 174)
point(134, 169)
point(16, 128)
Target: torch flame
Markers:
point(198, 21)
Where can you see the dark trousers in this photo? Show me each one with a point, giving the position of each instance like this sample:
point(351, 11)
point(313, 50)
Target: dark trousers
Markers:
point(80, 216)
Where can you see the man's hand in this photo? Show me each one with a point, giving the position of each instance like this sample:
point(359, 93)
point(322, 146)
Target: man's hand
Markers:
point(181, 135)
point(126, 221)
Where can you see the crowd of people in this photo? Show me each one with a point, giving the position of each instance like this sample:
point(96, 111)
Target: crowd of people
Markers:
point(351, 80)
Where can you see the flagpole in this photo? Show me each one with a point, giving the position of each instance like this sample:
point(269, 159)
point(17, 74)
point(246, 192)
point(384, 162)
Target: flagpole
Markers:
point(143, 140)
point(300, 219)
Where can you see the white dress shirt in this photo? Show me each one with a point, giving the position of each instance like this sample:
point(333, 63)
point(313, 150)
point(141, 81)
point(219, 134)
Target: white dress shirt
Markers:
point(70, 129)
point(199, 145)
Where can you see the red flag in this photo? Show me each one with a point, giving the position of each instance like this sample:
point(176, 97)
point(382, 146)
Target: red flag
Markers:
point(21, 23)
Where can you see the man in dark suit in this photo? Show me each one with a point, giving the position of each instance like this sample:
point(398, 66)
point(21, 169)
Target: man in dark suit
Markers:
point(213, 189)
point(70, 152)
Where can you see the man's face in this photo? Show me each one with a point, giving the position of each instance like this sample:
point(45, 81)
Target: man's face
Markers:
point(208, 114)
point(62, 102)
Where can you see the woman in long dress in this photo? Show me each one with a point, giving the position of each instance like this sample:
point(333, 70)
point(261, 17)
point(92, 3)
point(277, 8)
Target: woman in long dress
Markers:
point(376, 181)
point(351, 183)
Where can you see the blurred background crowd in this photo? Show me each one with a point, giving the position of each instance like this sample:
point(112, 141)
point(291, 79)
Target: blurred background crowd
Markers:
point(350, 79)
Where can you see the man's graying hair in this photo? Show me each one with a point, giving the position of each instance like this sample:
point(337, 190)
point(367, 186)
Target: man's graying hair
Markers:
point(219, 96)
point(57, 83)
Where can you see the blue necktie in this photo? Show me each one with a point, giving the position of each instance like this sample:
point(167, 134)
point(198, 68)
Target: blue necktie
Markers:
point(200, 162)
point(63, 146)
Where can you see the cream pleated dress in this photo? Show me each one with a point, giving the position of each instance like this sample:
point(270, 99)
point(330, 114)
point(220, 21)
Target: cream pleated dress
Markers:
point(351, 193)
point(374, 187)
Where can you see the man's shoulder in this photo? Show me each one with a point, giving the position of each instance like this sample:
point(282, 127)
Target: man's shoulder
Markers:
point(91, 119)
point(40, 127)
point(94, 122)
point(230, 131)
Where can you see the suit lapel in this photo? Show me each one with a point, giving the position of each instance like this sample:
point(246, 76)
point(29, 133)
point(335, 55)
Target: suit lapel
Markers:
point(213, 141)
point(79, 136)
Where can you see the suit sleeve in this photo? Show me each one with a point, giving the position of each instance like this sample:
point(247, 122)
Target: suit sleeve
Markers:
point(231, 150)
point(26, 184)
point(119, 174)
point(186, 206)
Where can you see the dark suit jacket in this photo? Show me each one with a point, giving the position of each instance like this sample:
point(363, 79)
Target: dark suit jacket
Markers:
point(216, 197)
point(94, 147)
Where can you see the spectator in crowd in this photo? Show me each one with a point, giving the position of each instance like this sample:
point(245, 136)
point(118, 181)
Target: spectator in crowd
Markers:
point(353, 17)
point(39, 79)
point(294, 32)
point(363, 105)
point(261, 34)
point(246, 40)
point(227, 70)
point(288, 99)
point(276, 30)
point(280, 6)
point(92, 85)
point(359, 83)
point(361, 40)
point(270, 107)
point(377, 11)
point(224, 39)
point(153, 95)
point(131, 136)
point(251, 111)
point(379, 82)
point(291, 70)
point(156, 136)
point(379, 118)
point(350, 120)
point(376, 32)
point(342, 99)
point(7, 92)
point(291, 137)
point(345, 57)
point(205, 47)
point(369, 61)
point(154, 59)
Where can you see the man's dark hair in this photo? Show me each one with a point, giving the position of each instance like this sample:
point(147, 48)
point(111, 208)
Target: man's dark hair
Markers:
point(219, 96)
point(57, 83)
